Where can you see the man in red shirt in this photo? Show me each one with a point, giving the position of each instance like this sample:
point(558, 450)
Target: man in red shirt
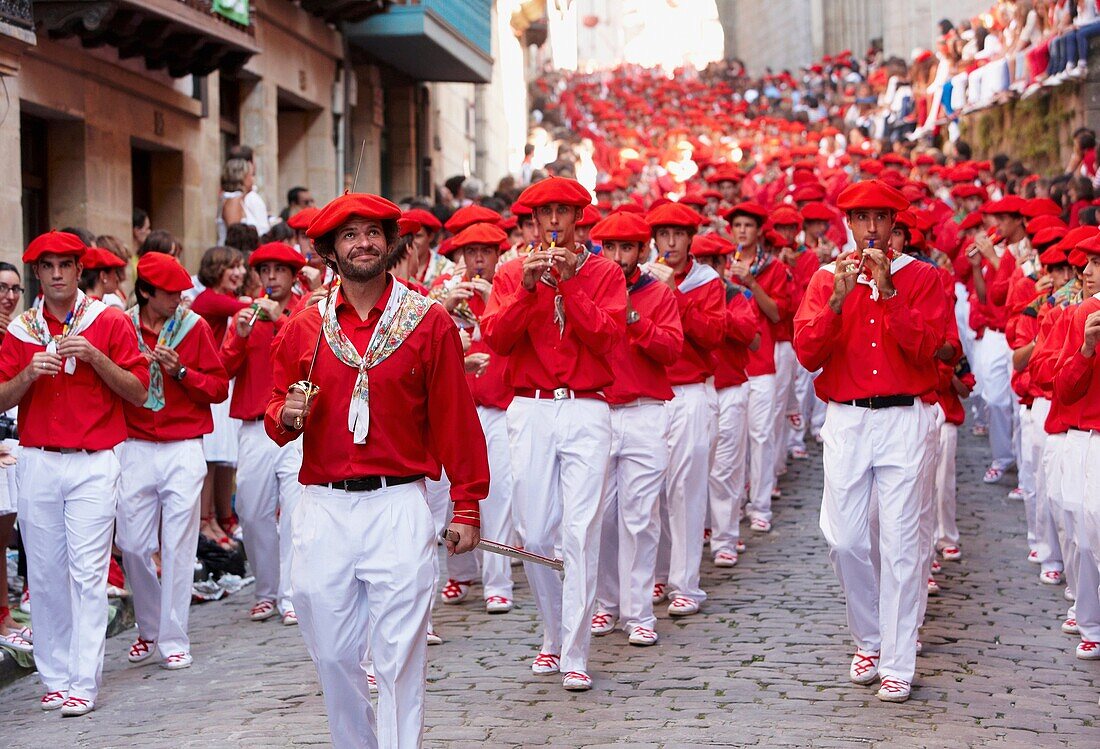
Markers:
point(1077, 397)
point(873, 325)
point(267, 473)
point(741, 335)
point(768, 280)
point(557, 314)
point(70, 363)
point(465, 297)
point(639, 428)
point(693, 412)
point(391, 396)
point(162, 460)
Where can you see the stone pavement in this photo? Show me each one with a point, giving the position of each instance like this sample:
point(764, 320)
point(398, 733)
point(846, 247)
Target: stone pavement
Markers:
point(764, 665)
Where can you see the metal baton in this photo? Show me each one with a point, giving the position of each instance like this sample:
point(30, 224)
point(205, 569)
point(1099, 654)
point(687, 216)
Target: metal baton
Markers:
point(493, 547)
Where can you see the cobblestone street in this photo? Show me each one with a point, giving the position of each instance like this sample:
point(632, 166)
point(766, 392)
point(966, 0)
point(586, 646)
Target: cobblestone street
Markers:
point(765, 664)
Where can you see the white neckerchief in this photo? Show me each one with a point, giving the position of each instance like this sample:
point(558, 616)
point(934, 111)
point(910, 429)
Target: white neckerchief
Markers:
point(19, 328)
point(698, 275)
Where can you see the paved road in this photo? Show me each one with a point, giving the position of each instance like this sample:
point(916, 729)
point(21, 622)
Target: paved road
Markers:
point(765, 665)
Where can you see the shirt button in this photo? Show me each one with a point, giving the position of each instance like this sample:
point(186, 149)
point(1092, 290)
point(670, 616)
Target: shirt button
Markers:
point(874, 371)
point(872, 321)
point(874, 345)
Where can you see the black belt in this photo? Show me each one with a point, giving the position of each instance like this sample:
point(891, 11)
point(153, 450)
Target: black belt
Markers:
point(372, 483)
point(881, 401)
point(67, 450)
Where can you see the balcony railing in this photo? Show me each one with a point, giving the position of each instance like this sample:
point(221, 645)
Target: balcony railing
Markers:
point(17, 13)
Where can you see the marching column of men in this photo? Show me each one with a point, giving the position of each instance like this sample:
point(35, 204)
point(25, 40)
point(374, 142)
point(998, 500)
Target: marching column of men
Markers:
point(615, 408)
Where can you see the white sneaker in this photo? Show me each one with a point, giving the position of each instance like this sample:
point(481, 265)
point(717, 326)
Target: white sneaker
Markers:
point(893, 690)
point(53, 700)
point(16, 641)
point(760, 525)
point(725, 559)
point(577, 681)
point(1051, 577)
point(141, 650)
point(933, 587)
point(433, 638)
point(455, 591)
point(951, 553)
point(602, 622)
point(683, 606)
point(262, 611)
point(1088, 650)
point(642, 636)
point(864, 668)
point(176, 661)
point(498, 605)
point(290, 619)
point(660, 592)
point(1069, 626)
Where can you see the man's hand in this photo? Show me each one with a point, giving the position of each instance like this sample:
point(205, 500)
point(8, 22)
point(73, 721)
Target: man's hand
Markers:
point(313, 276)
point(844, 281)
point(42, 363)
point(240, 323)
point(1044, 285)
point(961, 388)
point(534, 265)
point(79, 348)
point(468, 537)
point(985, 246)
point(563, 262)
point(464, 337)
point(481, 286)
point(169, 360)
point(1092, 335)
point(476, 364)
point(740, 270)
point(457, 296)
point(295, 406)
point(876, 261)
point(321, 292)
point(662, 273)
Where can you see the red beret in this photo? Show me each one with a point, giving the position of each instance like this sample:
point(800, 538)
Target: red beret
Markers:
point(519, 209)
point(962, 174)
point(785, 215)
point(708, 245)
point(479, 233)
point(590, 216)
point(694, 198)
point(352, 205)
point(871, 166)
point(164, 272)
point(1049, 236)
point(1054, 256)
point(621, 226)
point(816, 212)
point(276, 252)
point(556, 190)
point(972, 221)
point(56, 243)
point(750, 209)
point(301, 220)
point(1037, 224)
point(427, 219)
point(674, 214)
point(1041, 207)
point(1074, 237)
point(509, 223)
point(775, 239)
point(1090, 246)
point(925, 160)
point(871, 194)
point(470, 215)
point(408, 226)
point(1010, 204)
point(629, 208)
point(808, 191)
point(968, 190)
point(97, 258)
point(1078, 259)
point(606, 187)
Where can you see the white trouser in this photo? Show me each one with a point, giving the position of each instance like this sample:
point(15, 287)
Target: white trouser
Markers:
point(762, 444)
point(631, 522)
point(159, 488)
point(947, 530)
point(1026, 467)
point(800, 403)
point(1076, 451)
point(1091, 501)
point(267, 491)
point(692, 431)
point(66, 515)
point(727, 472)
point(992, 371)
point(1053, 460)
point(785, 365)
point(886, 456)
point(496, 512)
point(362, 574)
point(1033, 441)
point(560, 451)
point(928, 515)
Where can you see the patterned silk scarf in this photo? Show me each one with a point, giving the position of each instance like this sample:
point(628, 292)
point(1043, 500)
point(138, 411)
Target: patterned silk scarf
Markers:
point(403, 312)
point(175, 329)
point(31, 327)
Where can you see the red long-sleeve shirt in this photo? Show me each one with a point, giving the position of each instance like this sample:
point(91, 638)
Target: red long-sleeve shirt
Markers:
point(1077, 383)
point(520, 324)
point(422, 415)
point(249, 361)
point(186, 412)
point(216, 308)
point(1053, 329)
point(883, 347)
point(742, 323)
point(702, 315)
point(651, 344)
point(76, 411)
point(489, 388)
point(778, 283)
